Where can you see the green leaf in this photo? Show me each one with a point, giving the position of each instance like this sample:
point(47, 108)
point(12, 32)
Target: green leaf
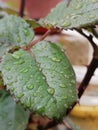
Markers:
point(12, 115)
point(33, 23)
point(44, 82)
point(8, 10)
point(15, 31)
point(79, 13)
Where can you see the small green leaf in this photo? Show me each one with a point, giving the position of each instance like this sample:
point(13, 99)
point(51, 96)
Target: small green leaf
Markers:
point(15, 31)
point(34, 24)
point(79, 13)
point(44, 82)
point(8, 10)
point(12, 115)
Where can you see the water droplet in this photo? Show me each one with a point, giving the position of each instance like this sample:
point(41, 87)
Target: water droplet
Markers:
point(51, 91)
point(40, 110)
point(65, 105)
point(43, 77)
point(35, 94)
point(31, 76)
point(56, 59)
point(92, 16)
point(26, 32)
point(70, 91)
point(37, 81)
point(66, 24)
point(62, 86)
point(16, 55)
point(24, 70)
point(21, 61)
point(20, 95)
point(28, 102)
point(61, 72)
point(30, 87)
point(74, 16)
point(54, 23)
point(73, 81)
point(7, 68)
point(64, 97)
point(10, 123)
point(94, 1)
point(9, 77)
point(72, 96)
point(12, 89)
point(40, 69)
point(79, 6)
point(18, 39)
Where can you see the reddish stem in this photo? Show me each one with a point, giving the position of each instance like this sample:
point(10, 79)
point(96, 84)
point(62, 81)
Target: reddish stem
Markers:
point(22, 7)
point(32, 43)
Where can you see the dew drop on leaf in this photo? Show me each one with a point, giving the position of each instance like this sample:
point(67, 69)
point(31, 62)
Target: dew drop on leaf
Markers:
point(62, 86)
point(92, 16)
point(64, 97)
point(28, 102)
point(35, 94)
point(21, 61)
point(19, 95)
point(12, 89)
point(41, 110)
point(24, 70)
point(7, 68)
point(66, 24)
point(9, 77)
point(56, 59)
point(31, 76)
point(79, 6)
point(30, 87)
point(26, 32)
point(16, 55)
point(43, 77)
point(65, 105)
point(18, 39)
point(9, 123)
point(51, 91)
point(94, 1)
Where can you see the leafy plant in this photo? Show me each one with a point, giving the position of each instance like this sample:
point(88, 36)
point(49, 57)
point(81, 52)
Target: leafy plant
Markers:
point(37, 73)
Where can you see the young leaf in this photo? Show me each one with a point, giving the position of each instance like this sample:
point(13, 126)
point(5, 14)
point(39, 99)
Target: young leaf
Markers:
point(12, 115)
point(79, 13)
point(34, 24)
point(15, 31)
point(44, 82)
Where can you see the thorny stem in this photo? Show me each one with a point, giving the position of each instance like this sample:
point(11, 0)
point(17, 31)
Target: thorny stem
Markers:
point(22, 7)
point(91, 68)
point(90, 71)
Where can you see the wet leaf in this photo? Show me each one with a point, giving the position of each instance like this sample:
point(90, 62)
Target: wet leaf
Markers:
point(44, 82)
point(79, 13)
point(15, 31)
point(12, 115)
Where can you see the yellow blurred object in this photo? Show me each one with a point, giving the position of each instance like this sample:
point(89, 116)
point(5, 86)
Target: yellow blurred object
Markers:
point(85, 111)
